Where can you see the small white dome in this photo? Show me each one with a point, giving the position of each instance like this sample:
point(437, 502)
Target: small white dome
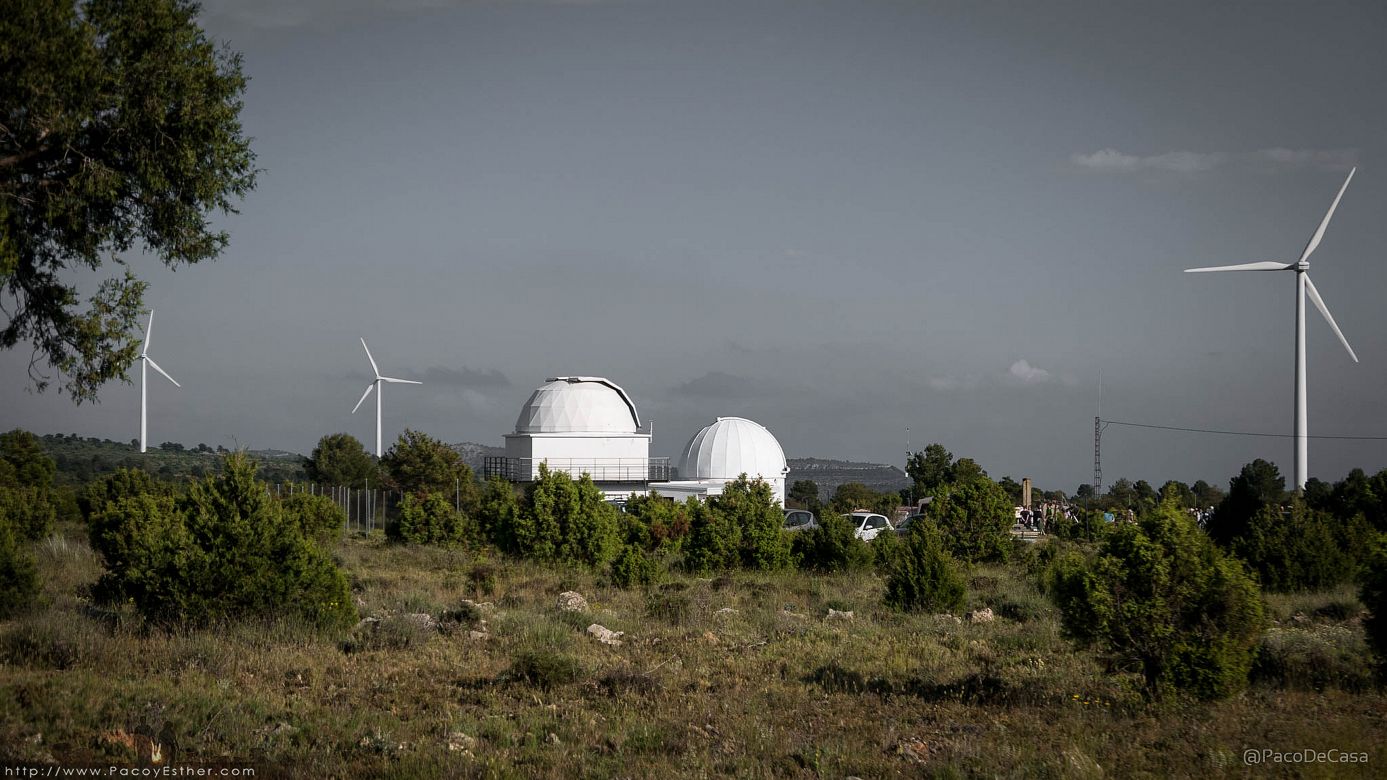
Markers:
point(730, 447)
point(578, 404)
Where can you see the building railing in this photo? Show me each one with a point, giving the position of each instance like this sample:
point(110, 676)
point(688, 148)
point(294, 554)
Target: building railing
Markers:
point(600, 469)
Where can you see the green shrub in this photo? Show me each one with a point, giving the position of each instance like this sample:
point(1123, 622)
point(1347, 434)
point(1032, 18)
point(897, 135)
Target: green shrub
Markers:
point(319, 517)
point(122, 483)
point(225, 550)
point(885, 548)
point(544, 669)
point(714, 541)
point(1159, 597)
point(19, 583)
point(29, 465)
point(566, 520)
point(751, 506)
point(633, 568)
point(431, 518)
point(923, 576)
point(1313, 658)
point(30, 511)
point(655, 523)
point(1374, 597)
point(974, 516)
point(498, 510)
point(832, 546)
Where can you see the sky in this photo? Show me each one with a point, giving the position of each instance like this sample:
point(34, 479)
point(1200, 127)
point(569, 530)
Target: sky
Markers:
point(866, 225)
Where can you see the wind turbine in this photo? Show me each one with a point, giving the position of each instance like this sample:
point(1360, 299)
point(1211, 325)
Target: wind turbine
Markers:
point(1303, 286)
point(375, 384)
point(145, 362)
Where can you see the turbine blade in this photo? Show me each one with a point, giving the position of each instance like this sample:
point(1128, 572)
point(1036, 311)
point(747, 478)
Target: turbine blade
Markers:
point(368, 357)
point(363, 397)
point(1265, 265)
point(1319, 234)
point(393, 380)
point(147, 330)
point(156, 367)
point(1319, 304)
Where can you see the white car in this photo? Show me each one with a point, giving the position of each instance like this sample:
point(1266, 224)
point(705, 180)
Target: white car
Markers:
point(867, 525)
point(800, 520)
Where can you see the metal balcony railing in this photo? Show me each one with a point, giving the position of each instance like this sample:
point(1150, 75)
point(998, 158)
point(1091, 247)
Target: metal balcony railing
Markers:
point(600, 469)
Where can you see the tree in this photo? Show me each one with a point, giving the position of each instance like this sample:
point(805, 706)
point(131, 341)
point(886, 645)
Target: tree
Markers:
point(121, 126)
point(1206, 495)
point(1299, 548)
point(340, 459)
point(430, 518)
point(1012, 488)
point(567, 520)
point(1256, 486)
point(974, 516)
point(1179, 491)
point(1146, 497)
point(417, 462)
point(30, 465)
point(805, 492)
point(1122, 495)
point(930, 469)
point(1374, 597)
point(832, 546)
point(1084, 492)
point(714, 541)
point(1162, 600)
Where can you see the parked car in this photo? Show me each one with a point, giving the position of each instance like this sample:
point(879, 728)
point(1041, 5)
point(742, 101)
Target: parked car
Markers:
point(800, 520)
point(904, 526)
point(867, 525)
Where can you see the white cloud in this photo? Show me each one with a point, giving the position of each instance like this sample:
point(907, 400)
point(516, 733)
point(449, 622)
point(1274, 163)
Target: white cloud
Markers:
point(1180, 162)
point(1112, 161)
point(1029, 374)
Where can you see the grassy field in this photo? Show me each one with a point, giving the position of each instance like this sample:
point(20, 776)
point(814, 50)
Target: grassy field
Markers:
point(741, 675)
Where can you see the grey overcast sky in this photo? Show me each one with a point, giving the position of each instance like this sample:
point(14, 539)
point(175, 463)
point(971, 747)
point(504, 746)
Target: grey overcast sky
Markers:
point(839, 219)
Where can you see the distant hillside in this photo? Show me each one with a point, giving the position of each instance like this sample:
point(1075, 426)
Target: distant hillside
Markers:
point(829, 474)
point(473, 453)
point(80, 459)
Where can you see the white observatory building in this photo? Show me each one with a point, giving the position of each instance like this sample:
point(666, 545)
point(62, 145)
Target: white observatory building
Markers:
point(722, 452)
point(581, 425)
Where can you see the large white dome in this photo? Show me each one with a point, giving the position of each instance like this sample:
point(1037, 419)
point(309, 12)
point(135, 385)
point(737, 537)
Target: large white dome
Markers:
point(578, 404)
point(730, 447)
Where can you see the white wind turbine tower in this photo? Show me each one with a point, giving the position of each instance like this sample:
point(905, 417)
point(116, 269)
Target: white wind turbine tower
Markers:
point(145, 362)
point(1303, 286)
point(376, 385)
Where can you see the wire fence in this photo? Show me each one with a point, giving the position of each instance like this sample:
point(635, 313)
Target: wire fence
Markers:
point(366, 508)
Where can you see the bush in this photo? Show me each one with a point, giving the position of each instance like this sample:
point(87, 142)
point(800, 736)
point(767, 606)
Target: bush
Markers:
point(1160, 598)
point(655, 523)
point(751, 506)
point(832, 546)
point(974, 516)
point(19, 583)
point(498, 511)
point(122, 483)
point(226, 550)
point(544, 669)
point(633, 568)
point(431, 518)
point(923, 577)
point(319, 517)
point(885, 548)
point(1374, 597)
point(29, 510)
point(714, 541)
point(566, 521)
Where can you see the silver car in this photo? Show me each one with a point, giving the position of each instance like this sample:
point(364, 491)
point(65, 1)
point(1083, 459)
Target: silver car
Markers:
point(800, 520)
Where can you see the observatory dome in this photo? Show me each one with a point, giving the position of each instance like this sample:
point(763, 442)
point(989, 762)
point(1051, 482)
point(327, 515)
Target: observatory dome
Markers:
point(730, 447)
point(578, 404)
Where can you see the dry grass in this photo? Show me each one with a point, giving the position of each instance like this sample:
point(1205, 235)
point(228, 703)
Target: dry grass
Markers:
point(733, 676)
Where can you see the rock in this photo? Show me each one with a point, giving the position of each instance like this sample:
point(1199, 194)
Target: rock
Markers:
point(787, 613)
point(370, 622)
point(726, 611)
point(458, 741)
point(983, 615)
point(834, 614)
point(945, 617)
point(710, 637)
point(572, 601)
point(914, 750)
point(553, 738)
point(484, 607)
point(605, 635)
point(475, 634)
point(1300, 618)
point(422, 619)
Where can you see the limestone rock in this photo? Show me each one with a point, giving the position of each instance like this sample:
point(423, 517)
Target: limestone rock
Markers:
point(835, 614)
point(572, 601)
point(605, 635)
point(983, 615)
